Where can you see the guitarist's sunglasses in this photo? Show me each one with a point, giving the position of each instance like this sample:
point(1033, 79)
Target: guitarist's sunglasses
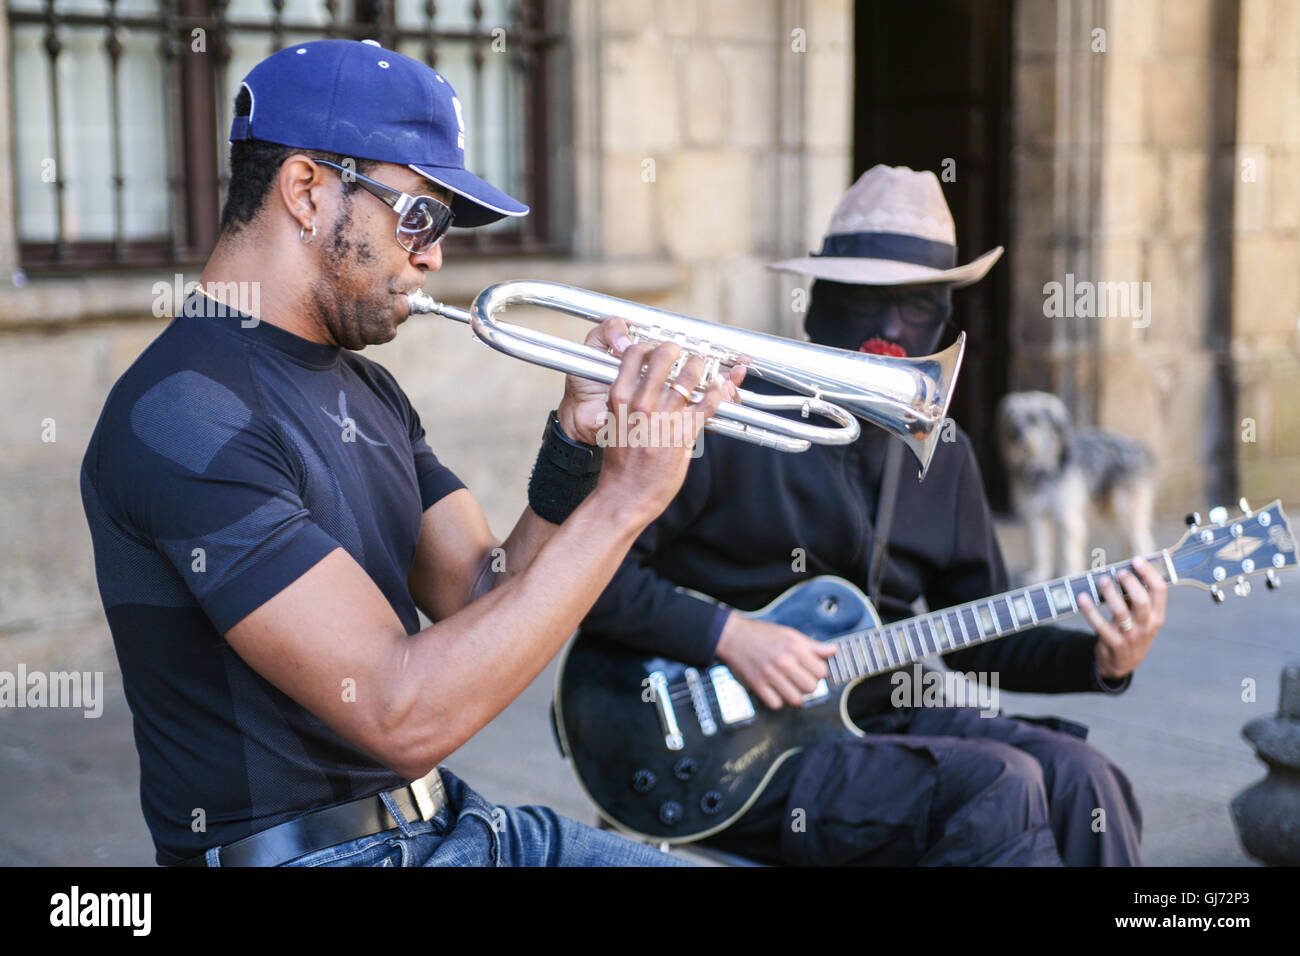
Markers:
point(421, 220)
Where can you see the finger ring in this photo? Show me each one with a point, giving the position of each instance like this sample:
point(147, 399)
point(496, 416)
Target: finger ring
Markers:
point(680, 389)
point(1125, 625)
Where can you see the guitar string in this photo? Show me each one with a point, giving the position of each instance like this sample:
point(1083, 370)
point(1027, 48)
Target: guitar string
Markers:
point(680, 690)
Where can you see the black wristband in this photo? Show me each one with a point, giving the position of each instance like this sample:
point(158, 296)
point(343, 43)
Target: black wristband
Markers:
point(564, 474)
point(571, 457)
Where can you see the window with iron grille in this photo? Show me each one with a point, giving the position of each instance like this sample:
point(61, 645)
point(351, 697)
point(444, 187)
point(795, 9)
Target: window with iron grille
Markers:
point(121, 110)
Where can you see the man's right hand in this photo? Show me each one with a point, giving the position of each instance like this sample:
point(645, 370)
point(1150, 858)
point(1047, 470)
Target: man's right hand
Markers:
point(778, 663)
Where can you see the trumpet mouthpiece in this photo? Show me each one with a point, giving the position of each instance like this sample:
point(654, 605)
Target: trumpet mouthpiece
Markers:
point(421, 302)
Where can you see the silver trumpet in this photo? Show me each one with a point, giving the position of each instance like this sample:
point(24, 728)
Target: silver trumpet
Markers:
point(907, 397)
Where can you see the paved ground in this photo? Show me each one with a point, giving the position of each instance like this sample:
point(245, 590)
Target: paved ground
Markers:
point(69, 786)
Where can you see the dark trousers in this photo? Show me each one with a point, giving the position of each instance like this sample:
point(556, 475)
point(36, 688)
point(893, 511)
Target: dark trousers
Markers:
point(936, 786)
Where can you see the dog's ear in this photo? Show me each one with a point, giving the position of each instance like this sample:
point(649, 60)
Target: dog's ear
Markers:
point(1059, 418)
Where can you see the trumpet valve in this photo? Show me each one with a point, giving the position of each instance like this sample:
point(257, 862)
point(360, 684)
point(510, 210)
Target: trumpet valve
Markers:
point(689, 345)
point(715, 359)
point(711, 367)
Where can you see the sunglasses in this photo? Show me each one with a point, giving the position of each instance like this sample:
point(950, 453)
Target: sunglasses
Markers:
point(917, 306)
point(422, 221)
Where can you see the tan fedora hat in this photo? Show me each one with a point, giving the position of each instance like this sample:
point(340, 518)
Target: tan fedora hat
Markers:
point(892, 227)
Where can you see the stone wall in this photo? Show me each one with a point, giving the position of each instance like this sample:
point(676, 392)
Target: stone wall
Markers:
point(1166, 181)
point(720, 140)
point(1132, 122)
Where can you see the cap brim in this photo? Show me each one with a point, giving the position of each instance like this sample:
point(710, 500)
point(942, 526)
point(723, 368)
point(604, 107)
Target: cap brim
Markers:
point(887, 271)
point(476, 202)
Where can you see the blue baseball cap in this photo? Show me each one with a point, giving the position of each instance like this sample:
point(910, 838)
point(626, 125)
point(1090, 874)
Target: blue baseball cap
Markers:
point(357, 99)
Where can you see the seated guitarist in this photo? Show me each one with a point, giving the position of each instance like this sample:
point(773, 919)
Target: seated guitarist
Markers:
point(926, 785)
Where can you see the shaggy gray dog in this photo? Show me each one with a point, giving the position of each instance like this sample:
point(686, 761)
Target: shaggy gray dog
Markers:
point(1056, 471)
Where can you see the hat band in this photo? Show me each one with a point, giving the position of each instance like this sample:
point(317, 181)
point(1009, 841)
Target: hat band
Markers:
point(890, 245)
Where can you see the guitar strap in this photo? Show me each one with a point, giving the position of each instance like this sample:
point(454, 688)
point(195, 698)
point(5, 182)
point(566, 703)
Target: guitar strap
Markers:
point(884, 517)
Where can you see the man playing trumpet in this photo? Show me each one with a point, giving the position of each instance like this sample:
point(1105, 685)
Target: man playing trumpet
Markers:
point(268, 516)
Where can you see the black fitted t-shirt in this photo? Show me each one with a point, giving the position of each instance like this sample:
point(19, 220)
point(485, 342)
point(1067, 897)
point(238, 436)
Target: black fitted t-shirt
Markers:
point(230, 458)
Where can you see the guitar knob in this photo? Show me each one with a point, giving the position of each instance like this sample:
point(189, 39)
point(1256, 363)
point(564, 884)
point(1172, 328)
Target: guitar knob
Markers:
point(711, 802)
point(1271, 580)
point(1217, 594)
point(685, 768)
point(1242, 587)
point(1193, 519)
point(643, 781)
point(670, 812)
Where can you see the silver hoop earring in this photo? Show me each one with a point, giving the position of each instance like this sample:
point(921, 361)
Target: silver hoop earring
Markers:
point(303, 237)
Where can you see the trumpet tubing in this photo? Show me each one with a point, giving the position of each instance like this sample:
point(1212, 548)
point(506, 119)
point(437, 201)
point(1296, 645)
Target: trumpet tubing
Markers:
point(908, 397)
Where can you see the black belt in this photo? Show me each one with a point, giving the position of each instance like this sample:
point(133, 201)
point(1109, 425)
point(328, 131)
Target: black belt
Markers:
point(323, 828)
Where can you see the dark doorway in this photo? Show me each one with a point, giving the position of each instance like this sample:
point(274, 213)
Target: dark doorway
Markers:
point(932, 91)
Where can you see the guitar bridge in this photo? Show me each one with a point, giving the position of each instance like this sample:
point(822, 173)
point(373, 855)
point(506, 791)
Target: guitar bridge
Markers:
point(664, 705)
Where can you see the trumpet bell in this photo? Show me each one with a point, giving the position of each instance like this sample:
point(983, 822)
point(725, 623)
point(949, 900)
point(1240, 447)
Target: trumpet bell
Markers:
point(907, 397)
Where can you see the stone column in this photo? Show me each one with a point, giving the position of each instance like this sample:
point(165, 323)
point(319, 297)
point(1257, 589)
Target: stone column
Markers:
point(1265, 299)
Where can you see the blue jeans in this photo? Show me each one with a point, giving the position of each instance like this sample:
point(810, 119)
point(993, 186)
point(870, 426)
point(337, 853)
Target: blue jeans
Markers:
point(469, 831)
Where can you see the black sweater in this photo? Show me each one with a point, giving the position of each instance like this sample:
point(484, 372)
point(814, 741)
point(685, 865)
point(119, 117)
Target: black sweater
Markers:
point(751, 522)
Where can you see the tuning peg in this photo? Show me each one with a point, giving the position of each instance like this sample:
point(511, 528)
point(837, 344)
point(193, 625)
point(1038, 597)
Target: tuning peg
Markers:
point(1217, 594)
point(1193, 519)
point(1271, 579)
point(1242, 587)
point(1244, 506)
point(1218, 514)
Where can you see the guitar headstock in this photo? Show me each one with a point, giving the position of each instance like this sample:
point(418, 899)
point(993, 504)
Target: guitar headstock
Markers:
point(1229, 550)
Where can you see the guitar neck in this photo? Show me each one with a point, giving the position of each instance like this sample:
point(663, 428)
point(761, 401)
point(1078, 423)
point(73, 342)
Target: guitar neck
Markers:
point(877, 650)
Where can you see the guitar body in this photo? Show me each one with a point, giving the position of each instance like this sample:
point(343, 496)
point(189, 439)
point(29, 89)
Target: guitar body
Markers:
point(609, 724)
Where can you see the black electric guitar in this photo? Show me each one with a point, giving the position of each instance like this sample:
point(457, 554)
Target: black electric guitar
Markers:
point(671, 753)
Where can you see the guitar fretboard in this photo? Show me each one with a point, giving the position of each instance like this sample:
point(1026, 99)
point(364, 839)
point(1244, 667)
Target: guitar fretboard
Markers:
point(877, 650)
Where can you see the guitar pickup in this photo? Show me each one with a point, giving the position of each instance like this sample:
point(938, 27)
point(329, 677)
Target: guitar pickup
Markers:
point(734, 705)
point(818, 693)
point(700, 701)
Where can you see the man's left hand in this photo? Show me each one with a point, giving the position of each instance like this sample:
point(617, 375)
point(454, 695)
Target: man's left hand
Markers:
point(585, 404)
point(1120, 651)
